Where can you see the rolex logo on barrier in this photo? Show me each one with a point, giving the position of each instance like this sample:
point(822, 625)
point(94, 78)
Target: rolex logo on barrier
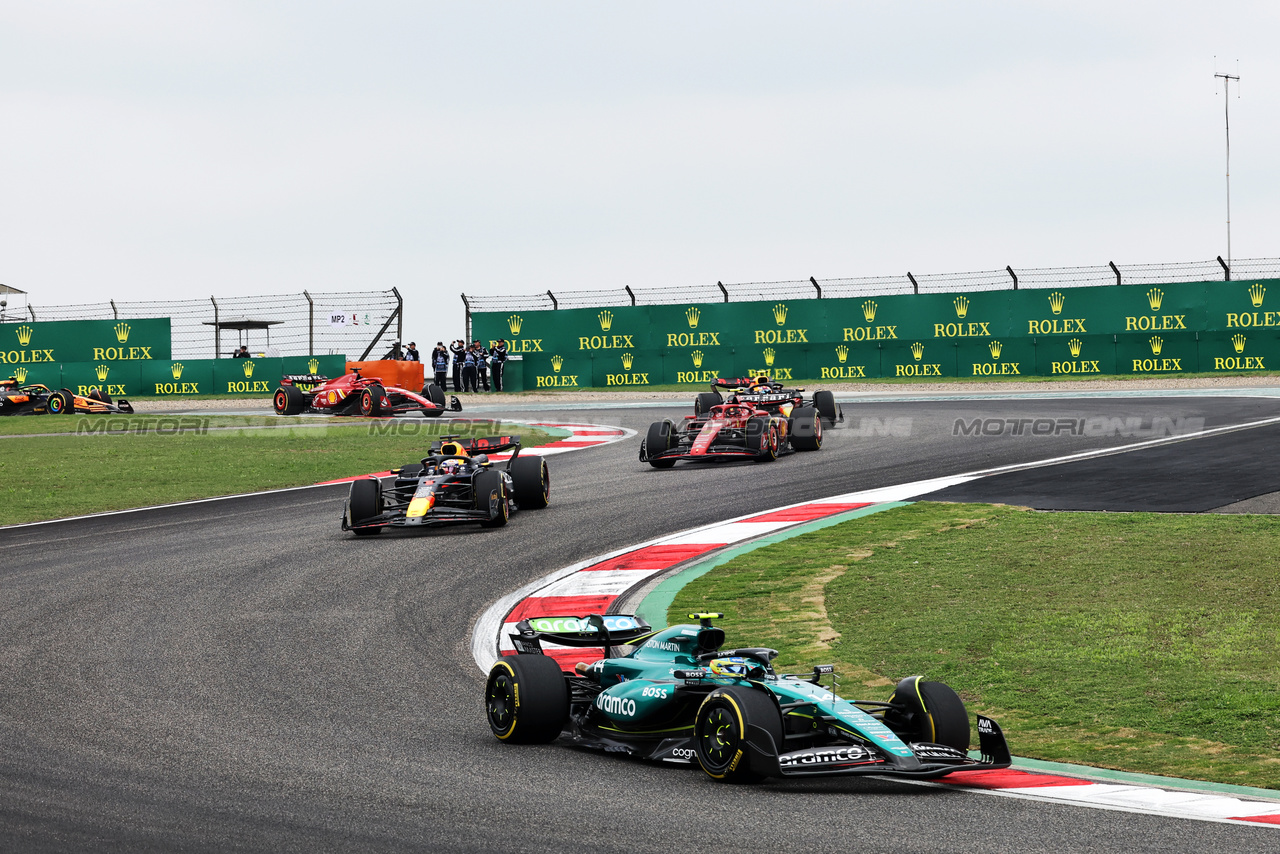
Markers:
point(1256, 293)
point(995, 348)
point(1155, 297)
point(780, 313)
point(769, 355)
point(627, 361)
point(1237, 341)
point(24, 335)
point(1157, 344)
point(248, 369)
point(20, 375)
point(697, 358)
point(606, 320)
point(514, 322)
point(869, 311)
point(842, 353)
point(1239, 362)
point(962, 306)
point(176, 369)
point(1075, 345)
point(313, 365)
point(1056, 301)
point(692, 315)
point(102, 371)
point(557, 362)
point(917, 351)
point(122, 332)
point(1083, 366)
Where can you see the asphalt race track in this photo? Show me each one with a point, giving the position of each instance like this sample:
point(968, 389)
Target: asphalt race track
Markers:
point(241, 675)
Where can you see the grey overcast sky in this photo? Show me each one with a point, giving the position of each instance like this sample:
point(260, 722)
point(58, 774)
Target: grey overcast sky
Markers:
point(158, 150)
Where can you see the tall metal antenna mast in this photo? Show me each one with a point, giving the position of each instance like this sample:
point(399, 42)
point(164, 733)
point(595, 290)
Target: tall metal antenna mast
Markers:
point(1226, 91)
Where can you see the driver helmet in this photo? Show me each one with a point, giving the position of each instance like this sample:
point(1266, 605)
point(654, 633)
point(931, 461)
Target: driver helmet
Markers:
point(735, 666)
point(451, 467)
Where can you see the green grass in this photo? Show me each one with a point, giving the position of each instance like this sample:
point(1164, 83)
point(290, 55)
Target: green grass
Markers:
point(1139, 642)
point(188, 457)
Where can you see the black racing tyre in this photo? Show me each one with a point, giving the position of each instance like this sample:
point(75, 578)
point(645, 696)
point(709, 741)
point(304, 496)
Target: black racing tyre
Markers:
point(371, 400)
point(531, 482)
point(762, 438)
point(661, 437)
point(289, 400)
point(928, 711)
point(364, 502)
point(720, 731)
point(703, 402)
point(526, 699)
point(825, 402)
point(435, 394)
point(806, 429)
point(61, 402)
point(491, 495)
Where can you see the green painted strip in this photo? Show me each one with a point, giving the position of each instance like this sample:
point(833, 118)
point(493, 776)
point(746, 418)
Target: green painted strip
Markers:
point(654, 609)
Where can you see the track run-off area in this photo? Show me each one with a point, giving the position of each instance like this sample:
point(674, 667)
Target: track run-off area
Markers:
point(240, 674)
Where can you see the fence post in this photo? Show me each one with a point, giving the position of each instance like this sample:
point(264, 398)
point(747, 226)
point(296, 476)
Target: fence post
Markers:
point(399, 316)
point(217, 329)
point(1225, 268)
point(816, 285)
point(1015, 277)
point(627, 288)
point(1115, 270)
point(311, 324)
point(915, 286)
point(555, 304)
point(115, 315)
point(724, 291)
point(467, 305)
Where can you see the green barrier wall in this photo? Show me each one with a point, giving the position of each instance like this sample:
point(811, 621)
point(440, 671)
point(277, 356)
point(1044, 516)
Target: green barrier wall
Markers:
point(1225, 327)
point(99, 341)
point(173, 378)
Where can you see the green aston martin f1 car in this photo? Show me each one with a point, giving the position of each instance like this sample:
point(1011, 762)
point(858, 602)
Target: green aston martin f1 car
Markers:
point(678, 697)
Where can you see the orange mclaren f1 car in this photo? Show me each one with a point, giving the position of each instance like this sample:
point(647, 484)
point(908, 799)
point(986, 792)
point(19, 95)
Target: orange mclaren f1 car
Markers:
point(37, 399)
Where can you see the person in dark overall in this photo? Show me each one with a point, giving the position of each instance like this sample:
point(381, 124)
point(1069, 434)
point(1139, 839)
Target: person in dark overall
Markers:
point(469, 370)
point(497, 361)
point(440, 364)
point(458, 349)
point(482, 364)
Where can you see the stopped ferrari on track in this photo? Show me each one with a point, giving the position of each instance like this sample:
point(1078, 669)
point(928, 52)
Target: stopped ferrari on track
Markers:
point(678, 697)
point(456, 483)
point(353, 394)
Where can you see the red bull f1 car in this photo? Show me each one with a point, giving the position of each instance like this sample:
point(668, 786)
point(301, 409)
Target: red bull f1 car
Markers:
point(37, 399)
point(456, 483)
point(762, 393)
point(678, 697)
point(353, 394)
point(729, 431)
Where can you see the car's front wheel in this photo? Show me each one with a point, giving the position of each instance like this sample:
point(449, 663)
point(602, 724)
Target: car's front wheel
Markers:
point(531, 482)
point(720, 731)
point(526, 699)
point(364, 502)
point(660, 438)
point(806, 429)
point(491, 496)
point(928, 711)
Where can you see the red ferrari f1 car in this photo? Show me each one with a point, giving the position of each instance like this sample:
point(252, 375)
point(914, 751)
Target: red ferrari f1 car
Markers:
point(353, 394)
point(731, 431)
point(37, 399)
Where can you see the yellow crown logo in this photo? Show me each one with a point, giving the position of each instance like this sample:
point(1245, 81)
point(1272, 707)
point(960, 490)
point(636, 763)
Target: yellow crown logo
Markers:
point(842, 353)
point(1075, 345)
point(1256, 293)
point(557, 362)
point(102, 371)
point(780, 313)
point(1055, 302)
point(1237, 341)
point(1157, 344)
point(768, 356)
point(606, 320)
point(627, 361)
point(24, 335)
point(697, 358)
point(313, 365)
point(248, 369)
point(917, 351)
point(1155, 296)
point(962, 306)
point(692, 316)
point(869, 311)
point(176, 369)
point(122, 332)
point(20, 374)
point(995, 349)
point(514, 323)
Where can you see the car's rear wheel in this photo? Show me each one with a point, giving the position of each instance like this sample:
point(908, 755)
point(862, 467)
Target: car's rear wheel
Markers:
point(825, 402)
point(371, 400)
point(61, 402)
point(289, 400)
point(491, 496)
point(720, 732)
point(531, 482)
point(928, 711)
point(806, 429)
point(526, 699)
point(703, 402)
point(660, 438)
point(364, 502)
